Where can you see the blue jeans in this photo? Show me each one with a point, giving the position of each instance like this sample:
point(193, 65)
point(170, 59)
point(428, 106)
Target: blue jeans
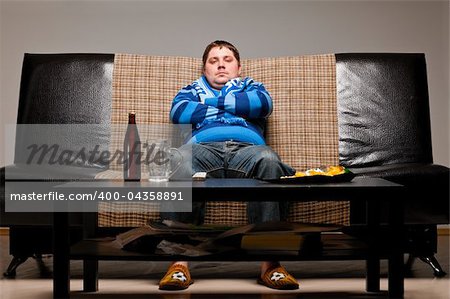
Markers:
point(231, 159)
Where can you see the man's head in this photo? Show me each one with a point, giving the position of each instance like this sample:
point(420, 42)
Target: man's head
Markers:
point(221, 63)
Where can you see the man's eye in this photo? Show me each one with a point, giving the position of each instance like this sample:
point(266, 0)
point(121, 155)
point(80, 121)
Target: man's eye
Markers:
point(212, 61)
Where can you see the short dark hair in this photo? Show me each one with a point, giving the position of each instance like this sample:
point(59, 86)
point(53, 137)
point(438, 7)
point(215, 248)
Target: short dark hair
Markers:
point(220, 44)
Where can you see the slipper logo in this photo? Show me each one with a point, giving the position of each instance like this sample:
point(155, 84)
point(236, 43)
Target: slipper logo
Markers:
point(277, 276)
point(179, 276)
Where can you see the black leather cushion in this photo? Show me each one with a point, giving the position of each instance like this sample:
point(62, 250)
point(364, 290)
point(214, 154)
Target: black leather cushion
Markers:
point(383, 112)
point(408, 174)
point(66, 89)
point(49, 173)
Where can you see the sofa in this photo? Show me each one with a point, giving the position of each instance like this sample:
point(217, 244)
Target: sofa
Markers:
point(366, 111)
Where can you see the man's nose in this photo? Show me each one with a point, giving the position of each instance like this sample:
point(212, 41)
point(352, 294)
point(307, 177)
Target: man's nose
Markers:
point(221, 64)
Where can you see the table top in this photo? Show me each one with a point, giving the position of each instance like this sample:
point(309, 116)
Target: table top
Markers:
point(358, 182)
point(357, 189)
point(362, 188)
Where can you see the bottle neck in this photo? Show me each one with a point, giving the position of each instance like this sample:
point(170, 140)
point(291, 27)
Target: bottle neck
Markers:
point(132, 118)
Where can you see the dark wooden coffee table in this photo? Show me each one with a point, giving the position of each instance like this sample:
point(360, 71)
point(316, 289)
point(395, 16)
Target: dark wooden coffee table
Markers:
point(371, 191)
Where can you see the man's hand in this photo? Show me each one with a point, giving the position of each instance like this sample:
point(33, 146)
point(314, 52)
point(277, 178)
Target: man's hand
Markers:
point(233, 85)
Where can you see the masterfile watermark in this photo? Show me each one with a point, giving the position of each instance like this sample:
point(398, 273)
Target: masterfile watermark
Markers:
point(53, 155)
point(99, 196)
point(89, 196)
point(73, 168)
point(46, 147)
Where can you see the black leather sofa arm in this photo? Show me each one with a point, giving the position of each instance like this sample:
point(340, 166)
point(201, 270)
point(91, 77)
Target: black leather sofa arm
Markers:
point(58, 175)
point(427, 199)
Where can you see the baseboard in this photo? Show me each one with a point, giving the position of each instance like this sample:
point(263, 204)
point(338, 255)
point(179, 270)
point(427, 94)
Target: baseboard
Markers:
point(4, 231)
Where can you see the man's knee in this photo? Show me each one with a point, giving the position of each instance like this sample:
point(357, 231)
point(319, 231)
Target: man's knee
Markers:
point(266, 155)
point(269, 165)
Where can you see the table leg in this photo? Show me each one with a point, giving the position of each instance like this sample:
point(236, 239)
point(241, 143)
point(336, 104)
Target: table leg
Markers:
point(396, 276)
point(90, 267)
point(373, 259)
point(373, 274)
point(90, 275)
point(61, 251)
point(396, 264)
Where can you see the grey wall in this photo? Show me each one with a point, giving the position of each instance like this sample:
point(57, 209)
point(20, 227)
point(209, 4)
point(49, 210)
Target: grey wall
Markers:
point(258, 28)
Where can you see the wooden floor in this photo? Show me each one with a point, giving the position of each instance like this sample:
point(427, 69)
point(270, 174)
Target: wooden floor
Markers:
point(222, 280)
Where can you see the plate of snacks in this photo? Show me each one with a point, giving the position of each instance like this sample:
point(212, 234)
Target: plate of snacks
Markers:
point(330, 174)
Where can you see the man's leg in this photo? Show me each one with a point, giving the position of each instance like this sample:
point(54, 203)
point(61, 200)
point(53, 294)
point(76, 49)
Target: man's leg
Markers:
point(261, 162)
point(196, 158)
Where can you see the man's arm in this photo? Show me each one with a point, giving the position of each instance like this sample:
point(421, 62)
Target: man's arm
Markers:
point(187, 109)
point(246, 98)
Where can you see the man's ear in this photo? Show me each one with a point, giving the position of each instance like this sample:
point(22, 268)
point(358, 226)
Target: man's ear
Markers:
point(239, 71)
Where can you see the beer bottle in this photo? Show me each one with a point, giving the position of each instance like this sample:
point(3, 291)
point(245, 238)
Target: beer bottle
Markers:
point(132, 151)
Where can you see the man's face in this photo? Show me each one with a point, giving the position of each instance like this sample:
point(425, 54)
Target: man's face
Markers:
point(220, 67)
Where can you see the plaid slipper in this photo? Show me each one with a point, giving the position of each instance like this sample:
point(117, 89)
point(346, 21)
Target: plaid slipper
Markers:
point(176, 278)
point(278, 278)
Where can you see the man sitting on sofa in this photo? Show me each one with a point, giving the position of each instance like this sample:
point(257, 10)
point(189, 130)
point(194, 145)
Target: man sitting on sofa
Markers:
point(228, 117)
